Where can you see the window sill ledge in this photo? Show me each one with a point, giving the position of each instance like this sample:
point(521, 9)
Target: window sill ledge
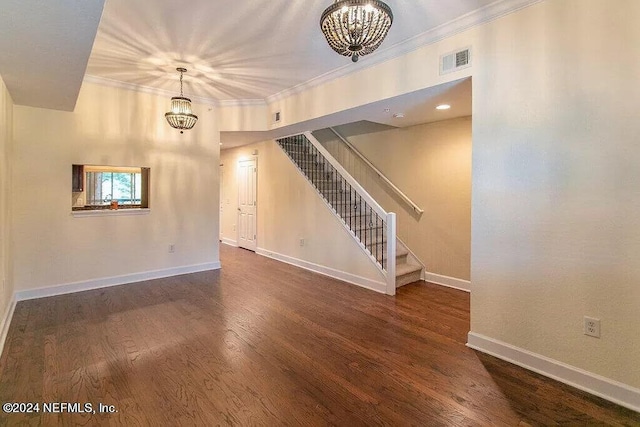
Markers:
point(110, 212)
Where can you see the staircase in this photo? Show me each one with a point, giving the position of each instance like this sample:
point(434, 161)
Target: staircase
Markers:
point(363, 217)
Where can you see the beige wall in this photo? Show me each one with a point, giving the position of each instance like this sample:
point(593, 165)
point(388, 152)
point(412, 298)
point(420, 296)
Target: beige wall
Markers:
point(289, 209)
point(243, 118)
point(555, 200)
point(122, 128)
point(431, 164)
point(6, 136)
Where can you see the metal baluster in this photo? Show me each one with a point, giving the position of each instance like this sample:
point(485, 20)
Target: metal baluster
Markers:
point(347, 201)
point(360, 219)
point(371, 228)
point(367, 238)
point(338, 192)
point(341, 193)
point(384, 231)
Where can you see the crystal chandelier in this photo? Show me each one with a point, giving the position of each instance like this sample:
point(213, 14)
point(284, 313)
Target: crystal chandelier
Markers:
point(180, 116)
point(356, 27)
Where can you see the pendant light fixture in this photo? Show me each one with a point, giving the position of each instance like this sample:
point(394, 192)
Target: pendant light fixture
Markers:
point(356, 27)
point(180, 116)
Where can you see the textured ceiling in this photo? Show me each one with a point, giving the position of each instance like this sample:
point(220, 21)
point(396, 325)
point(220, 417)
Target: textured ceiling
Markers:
point(235, 50)
point(238, 50)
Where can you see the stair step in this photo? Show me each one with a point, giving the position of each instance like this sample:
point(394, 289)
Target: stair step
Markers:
point(353, 210)
point(407, 273)
point(404, 268)
point(401, 252)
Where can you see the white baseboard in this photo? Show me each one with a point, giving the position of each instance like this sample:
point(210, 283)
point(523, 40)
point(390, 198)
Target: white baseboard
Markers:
point(326, 271)
point(616, 392)
point(112, 281)
point(229, 242)
point(450, 282)
point(6, 322)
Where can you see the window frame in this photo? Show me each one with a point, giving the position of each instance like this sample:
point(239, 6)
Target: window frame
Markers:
point(79, 199)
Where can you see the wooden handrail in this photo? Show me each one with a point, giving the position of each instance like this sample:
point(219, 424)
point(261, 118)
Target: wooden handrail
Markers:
point(378, 172)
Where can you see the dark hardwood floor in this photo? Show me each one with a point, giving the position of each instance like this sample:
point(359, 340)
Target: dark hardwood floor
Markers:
point(264, 343)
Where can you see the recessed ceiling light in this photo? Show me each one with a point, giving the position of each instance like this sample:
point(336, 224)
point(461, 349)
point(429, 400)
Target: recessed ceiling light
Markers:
point(443, 107)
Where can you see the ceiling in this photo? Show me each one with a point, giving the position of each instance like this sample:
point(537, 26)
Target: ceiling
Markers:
point(416, 108)
point(44, 48)
point(234, 50)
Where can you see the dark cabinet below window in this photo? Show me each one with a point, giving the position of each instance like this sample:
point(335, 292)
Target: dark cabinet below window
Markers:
point(77, 179)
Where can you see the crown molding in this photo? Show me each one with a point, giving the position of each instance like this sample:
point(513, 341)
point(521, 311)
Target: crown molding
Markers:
point(477, 17)
point(242, 102)
point(103, 81)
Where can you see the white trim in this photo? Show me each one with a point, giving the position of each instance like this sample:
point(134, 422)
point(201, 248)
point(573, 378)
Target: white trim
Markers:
point(450, 282)
point(103, 81)
point(242, 103)
point(477, 17)
point(110, 212)
point(608, 389)
point(334, 213)
point(254, 159)
point(229, 242)
point(104, 282)
point(378, 172)
point(378, 286)
point(6, 322)
point(373, 203)
point(392, 246)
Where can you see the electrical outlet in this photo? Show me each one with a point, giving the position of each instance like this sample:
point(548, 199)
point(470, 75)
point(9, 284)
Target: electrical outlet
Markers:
point(234, 227)
point(592, 327)
point(172, 248)
point(301, 242)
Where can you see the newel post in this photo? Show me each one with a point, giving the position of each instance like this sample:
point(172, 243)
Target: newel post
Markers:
point(391, 253)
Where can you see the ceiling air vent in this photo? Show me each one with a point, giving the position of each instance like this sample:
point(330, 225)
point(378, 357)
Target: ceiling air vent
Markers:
point(455, 61)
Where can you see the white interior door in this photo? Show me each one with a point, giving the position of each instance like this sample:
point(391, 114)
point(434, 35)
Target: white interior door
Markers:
point(247, 175)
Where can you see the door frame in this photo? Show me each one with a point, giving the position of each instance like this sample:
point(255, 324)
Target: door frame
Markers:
point(253, 158)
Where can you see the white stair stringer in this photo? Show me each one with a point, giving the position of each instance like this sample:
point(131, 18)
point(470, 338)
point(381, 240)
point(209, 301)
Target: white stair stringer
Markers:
point(368, 223)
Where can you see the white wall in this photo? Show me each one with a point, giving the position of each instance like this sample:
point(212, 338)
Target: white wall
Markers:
point(121, 128)
point(289, 209)
point(6, 136)
point(556, 193)
point(431, 164)
point(555, 199)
